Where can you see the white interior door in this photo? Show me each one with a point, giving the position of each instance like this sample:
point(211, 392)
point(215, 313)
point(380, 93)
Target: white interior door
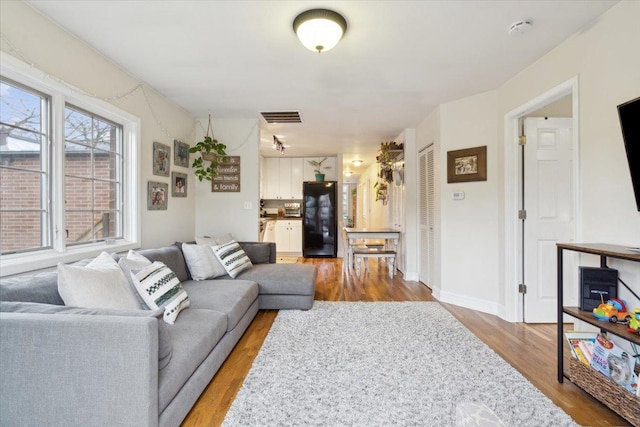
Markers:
point(427, 205)
point(550, 212)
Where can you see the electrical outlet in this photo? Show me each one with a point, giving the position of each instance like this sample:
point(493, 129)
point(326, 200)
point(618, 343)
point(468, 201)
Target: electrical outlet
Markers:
point(247, 205)
point(458, 195)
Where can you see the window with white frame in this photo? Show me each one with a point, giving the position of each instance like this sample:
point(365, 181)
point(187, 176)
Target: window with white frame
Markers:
point(25, 135)
point(93, 177)
point(68, 173)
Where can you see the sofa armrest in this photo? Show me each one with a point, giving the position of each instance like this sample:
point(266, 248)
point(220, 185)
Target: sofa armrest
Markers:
point(260, 252)
point(78, 370)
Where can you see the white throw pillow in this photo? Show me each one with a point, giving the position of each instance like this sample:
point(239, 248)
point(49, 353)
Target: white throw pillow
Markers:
point(100, 284)
point(160, 287)
point(232, 257)
point(214, 241)
point(201, 261)
point(134, 261)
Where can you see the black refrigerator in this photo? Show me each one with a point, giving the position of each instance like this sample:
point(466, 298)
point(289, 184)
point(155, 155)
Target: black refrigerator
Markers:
point(320, 228)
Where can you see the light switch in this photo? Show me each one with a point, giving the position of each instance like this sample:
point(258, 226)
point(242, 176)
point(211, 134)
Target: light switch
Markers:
point(458, 195)
point(247, 205)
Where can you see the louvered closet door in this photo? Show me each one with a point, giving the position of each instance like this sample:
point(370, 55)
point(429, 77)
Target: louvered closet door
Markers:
point(427, 209)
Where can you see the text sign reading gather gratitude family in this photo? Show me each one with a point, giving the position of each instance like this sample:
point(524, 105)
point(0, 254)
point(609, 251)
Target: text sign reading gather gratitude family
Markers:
point(228, 178)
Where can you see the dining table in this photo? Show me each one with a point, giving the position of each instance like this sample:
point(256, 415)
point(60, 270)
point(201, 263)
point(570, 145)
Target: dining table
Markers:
point(390, 236)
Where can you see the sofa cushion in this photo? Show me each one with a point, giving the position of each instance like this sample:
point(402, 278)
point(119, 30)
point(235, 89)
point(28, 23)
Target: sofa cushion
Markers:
point(231, 297)
point(159, 287)
point(172, 257)
point(232, 257)
point(287, 279)
point(258, 253)
point(41, 287)
point(165, 349)
point(202, 263)
point(101, 284)
point(193, 337)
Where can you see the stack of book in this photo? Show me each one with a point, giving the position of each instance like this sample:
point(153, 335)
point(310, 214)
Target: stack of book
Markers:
point(581, 344)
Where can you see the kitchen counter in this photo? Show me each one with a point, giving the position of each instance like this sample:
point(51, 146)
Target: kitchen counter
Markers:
point(280, 218)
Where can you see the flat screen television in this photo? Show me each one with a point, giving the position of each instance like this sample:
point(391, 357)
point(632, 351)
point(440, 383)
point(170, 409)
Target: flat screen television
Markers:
point(629, 114)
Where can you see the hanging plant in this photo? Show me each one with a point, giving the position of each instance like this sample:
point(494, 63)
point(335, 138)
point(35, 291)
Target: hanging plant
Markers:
point(382, 190)
point(386, 160)
point(210, 151)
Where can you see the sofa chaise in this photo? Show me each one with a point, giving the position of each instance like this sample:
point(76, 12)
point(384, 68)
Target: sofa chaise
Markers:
point(70, 366)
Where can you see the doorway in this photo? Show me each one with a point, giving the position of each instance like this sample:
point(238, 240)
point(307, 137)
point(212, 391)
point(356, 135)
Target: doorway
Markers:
point(541, 187)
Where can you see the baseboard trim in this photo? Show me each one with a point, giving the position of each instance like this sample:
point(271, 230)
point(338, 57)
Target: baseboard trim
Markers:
point(477, 304)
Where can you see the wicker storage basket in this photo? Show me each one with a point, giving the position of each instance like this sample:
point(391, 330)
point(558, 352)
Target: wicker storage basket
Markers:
point(606, 391)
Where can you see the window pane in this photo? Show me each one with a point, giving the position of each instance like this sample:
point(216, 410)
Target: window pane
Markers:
point(105, 195)
point(78, 127)
point(20, 231)
point(78, 194)
point(22, 153)
point(77, 160)
point(105, 165)
point(79, 227)
point(20, 189)
point(107, 226)
point(105, 135)
point(20, 108)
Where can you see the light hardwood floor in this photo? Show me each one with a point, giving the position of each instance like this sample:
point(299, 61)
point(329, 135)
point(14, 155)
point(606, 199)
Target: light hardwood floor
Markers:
point(537, 363)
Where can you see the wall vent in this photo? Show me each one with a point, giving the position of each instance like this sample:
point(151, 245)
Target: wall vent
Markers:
point(282, 117)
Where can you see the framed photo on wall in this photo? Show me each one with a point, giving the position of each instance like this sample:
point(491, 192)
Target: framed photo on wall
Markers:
point(178, 184)
point(180, 154)
point(469, 164)
point(157, 196)
point(161, 159)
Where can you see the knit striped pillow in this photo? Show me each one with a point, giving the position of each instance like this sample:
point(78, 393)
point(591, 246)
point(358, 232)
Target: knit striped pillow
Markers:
point(232, 258)
point(159, 287)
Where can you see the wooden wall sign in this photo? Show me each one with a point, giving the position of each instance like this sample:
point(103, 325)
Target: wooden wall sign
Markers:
point(228, 178)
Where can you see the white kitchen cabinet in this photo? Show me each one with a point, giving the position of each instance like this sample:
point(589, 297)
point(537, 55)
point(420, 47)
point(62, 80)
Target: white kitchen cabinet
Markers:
point(269, 232)
point(288, 236)
point(282, 178)
point(271, 178)
point(329, 174)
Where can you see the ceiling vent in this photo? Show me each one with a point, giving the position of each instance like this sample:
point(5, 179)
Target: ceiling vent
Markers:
point(282, 117)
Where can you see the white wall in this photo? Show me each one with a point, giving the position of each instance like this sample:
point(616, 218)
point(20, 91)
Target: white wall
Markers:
point(220, 213)
point(470, 227)
point(34, 39)
point(604, 57)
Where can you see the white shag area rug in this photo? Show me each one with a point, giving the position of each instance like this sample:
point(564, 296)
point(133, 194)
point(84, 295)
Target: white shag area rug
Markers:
point(381, 364)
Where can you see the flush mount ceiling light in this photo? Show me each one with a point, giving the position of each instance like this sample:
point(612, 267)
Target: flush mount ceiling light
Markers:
point(348, 173)
point(357, 163)
point(319, 29)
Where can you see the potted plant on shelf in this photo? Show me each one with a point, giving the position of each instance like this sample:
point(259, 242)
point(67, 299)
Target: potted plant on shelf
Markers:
point(319, 168)
point(210, 151)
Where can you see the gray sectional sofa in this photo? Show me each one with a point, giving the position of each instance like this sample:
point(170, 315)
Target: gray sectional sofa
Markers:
point(64, 366)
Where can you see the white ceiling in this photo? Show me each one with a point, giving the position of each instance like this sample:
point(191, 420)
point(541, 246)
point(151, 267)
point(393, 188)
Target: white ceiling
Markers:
point(397, 61)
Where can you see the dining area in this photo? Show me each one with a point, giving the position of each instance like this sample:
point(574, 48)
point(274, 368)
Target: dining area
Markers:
point(361, 244)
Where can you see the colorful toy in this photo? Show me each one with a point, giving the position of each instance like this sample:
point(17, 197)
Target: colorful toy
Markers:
point(615, 310)
point(634, 322)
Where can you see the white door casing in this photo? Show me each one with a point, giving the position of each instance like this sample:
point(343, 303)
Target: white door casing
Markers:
point(550, 212)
